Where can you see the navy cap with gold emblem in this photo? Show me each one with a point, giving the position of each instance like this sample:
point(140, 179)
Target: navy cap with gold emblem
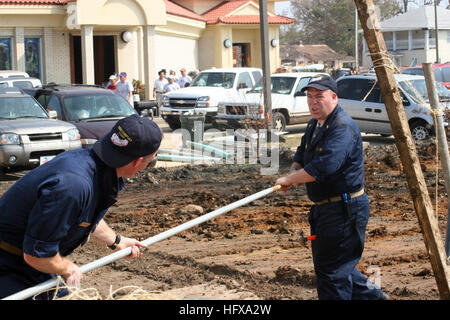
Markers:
point(130, 138)
point(322, 83)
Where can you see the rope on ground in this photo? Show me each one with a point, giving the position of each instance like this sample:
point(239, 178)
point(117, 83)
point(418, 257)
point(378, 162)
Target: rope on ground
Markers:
point(123, 293)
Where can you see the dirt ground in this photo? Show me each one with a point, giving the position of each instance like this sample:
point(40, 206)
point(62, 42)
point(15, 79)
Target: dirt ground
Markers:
point(253, 252)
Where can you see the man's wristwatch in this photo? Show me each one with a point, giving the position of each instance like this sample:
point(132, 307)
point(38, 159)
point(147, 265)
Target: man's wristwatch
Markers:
point(116, 243)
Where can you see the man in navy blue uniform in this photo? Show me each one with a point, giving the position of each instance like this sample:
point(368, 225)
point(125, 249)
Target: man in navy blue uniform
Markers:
point(330, 162)
point(56, 207)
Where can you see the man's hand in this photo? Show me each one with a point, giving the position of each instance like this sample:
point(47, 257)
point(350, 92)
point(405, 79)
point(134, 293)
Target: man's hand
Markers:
point(284, 182)
point(73, 276)
point(134, 244)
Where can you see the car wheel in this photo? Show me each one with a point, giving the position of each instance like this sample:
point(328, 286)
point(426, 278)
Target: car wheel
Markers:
point(419, 130)
point(2, 173)
point(174, 124)
point(278, 122)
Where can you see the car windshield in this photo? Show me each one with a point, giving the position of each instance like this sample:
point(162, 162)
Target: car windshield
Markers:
point(20, 107)
point(214, 79)
point(438, 73)
point(280, 85)
point(94, 106)
point(418, 90)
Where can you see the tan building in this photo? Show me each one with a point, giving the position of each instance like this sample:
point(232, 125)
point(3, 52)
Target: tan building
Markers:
point(411, 37)
point(85, 41)
point(310, 54)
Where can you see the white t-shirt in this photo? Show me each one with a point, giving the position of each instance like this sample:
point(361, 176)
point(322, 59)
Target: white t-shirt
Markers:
point(183, 80)
point(124, 89)
point(171, 87)
point(160, 84)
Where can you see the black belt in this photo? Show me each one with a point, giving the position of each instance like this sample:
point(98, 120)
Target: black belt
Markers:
point(5, 246)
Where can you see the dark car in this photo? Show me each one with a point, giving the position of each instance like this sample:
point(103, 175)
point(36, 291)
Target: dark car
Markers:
point(93, 110)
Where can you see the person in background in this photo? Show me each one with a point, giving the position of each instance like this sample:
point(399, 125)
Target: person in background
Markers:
point(112, 85)
point(158, 88)
point(125, 88)
point(172, 85)
point(184, 79)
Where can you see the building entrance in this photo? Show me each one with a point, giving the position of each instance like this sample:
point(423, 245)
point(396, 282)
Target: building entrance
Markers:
point(104, 59)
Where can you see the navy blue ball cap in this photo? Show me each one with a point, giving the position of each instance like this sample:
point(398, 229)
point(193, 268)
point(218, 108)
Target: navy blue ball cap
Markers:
point(322, 83)
point(130, 138)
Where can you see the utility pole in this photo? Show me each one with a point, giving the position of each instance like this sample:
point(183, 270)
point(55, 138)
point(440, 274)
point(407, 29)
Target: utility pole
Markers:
point(265, 64)
point(437, 31)
point(405, 145)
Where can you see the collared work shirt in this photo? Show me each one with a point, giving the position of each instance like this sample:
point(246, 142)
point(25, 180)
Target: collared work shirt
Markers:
point(55, 207)
point(334, 157)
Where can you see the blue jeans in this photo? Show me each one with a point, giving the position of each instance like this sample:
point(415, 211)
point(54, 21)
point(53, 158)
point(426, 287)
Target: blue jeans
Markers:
point(337, 250)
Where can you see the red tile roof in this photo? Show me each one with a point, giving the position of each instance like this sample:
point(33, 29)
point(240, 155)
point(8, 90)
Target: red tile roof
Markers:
point(253, 20)
point(219, 14)
point(177, 10)
point(215, 15)
point(36, 2)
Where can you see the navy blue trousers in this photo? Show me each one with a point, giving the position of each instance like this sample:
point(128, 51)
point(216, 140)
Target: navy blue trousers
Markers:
point(16, 275)
point(337, 250)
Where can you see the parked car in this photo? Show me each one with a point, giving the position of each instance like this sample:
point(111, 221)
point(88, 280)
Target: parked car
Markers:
point(289, 104)
point(20, 82)
point(441, 72)
point(28, 135)
point(93, 110)
point(206, 91)
point(13, 74)
point(371, 115)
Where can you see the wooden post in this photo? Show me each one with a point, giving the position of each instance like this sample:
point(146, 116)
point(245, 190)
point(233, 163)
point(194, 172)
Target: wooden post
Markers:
point(405, 144)
point(442, 137)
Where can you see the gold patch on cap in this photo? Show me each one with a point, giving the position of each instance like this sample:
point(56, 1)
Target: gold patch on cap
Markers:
point(123, 134)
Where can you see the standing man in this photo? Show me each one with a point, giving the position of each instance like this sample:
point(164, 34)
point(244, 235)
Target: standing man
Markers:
point(330, 162)
point(184, 78)
point(171, 86)
point(125, 88)
point(66, 200)
point(158, 88)
point(112, 85)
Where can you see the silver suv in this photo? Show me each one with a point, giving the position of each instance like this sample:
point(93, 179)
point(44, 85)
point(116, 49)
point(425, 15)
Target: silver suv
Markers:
point(28, 135)
point(371, 115)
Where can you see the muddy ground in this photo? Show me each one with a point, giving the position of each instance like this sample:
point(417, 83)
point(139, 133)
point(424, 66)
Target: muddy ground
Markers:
point(253, 252)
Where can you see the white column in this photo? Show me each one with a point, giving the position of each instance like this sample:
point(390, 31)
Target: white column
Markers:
point(19, 35)
point(87, 54)
point(410, 42)
point(149, 60)
point(427, 39)
point(394, 41)
point(49, 74)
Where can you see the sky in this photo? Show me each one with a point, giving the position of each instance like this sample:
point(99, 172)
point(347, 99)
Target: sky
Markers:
point(282, 6)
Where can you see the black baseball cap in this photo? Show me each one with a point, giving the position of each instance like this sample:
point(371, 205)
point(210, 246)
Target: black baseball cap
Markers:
point(130, 138)
point(322, 83)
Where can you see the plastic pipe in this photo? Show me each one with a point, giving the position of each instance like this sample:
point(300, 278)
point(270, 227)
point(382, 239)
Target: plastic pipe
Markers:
point(172, 157)
point(210, 148)
point(24, 294)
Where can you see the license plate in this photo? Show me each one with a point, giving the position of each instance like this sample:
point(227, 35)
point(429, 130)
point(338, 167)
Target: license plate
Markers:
point(45, 159)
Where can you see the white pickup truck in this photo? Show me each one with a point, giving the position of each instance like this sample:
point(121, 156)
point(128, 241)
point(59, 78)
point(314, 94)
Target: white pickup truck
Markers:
point(206, 91)
point(289, 104)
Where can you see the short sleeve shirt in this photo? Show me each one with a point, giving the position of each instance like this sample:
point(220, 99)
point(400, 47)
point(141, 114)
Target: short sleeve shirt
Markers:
point(124, 89)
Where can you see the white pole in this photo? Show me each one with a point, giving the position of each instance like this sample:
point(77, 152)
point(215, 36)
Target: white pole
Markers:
point(24, 294)
point(356, 40)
